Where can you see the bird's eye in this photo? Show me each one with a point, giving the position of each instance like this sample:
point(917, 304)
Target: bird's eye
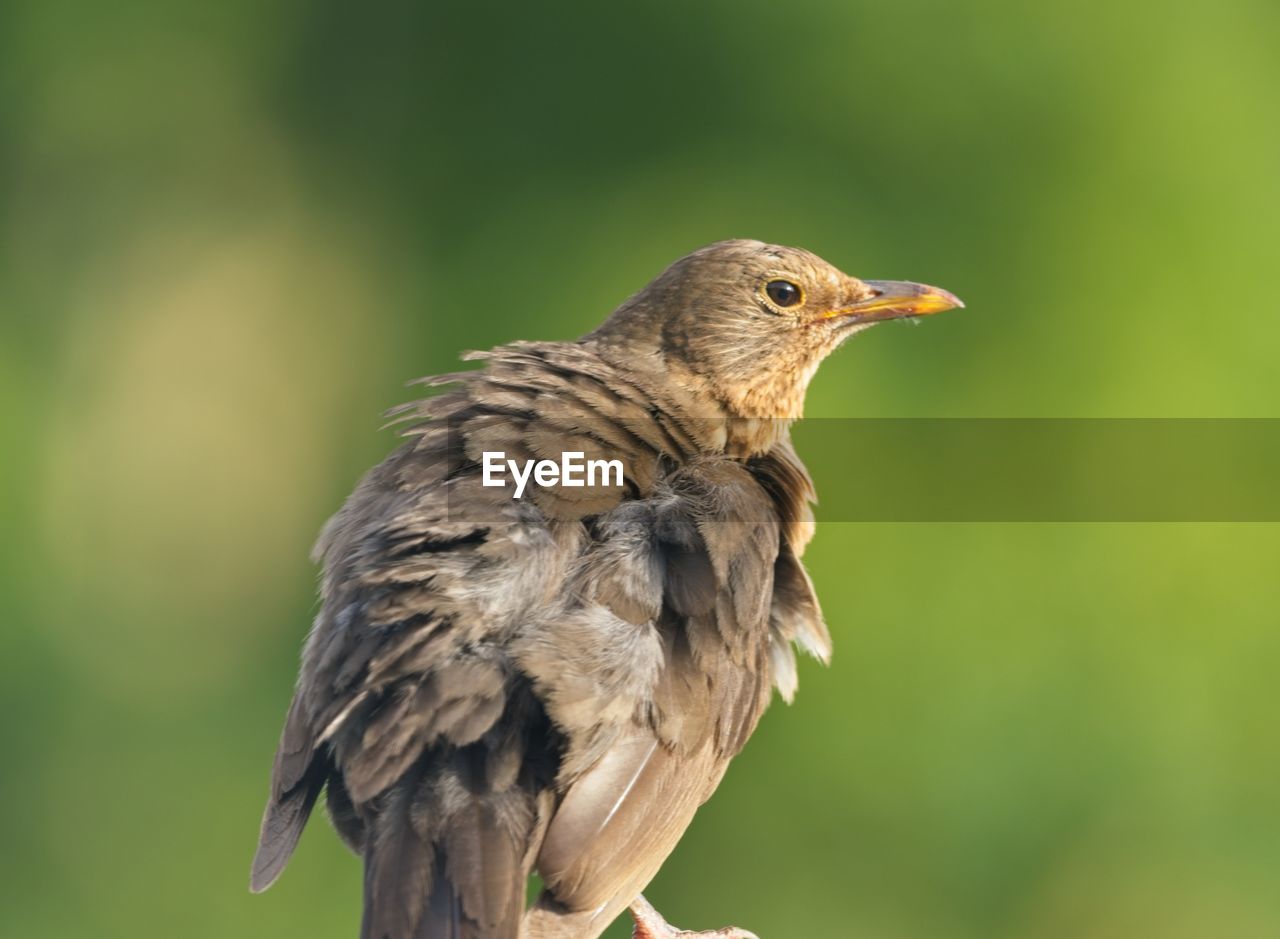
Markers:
point(783, 292)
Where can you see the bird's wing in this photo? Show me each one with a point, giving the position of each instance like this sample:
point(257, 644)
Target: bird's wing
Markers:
point(408, 705)
point(439, 759)
point(691, 571)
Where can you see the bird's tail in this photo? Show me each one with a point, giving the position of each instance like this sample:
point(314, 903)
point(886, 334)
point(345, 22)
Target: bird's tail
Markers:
point(446, 858)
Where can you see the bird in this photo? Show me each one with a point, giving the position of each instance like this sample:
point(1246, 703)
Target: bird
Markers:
point(497, 686)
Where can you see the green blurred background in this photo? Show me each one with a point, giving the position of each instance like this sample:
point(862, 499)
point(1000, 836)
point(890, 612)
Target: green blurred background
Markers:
point(230, 231)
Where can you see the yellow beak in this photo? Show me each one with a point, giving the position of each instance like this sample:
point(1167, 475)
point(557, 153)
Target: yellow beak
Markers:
point(895, 299)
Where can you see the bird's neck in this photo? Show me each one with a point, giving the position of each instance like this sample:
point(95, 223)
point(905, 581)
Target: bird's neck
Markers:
point(738, 419)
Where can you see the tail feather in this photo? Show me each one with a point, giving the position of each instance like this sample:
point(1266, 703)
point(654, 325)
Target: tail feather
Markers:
point(435, 912)
point(486, 865)
point(443, 917)
point(399, 870)
point(447, 846)
point(444, 860)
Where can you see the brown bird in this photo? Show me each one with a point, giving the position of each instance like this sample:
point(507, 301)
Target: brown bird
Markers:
point(553, 683)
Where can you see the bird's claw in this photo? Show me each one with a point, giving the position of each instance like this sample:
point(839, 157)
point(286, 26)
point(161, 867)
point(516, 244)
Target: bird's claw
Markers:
point(649, 924)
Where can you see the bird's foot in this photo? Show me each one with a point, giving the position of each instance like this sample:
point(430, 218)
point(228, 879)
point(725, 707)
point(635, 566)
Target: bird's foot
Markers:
point(651, 925)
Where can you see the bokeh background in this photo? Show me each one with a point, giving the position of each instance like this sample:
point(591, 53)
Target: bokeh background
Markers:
point(231, 231)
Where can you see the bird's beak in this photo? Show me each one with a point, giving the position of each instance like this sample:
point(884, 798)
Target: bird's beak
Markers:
point(895, 299)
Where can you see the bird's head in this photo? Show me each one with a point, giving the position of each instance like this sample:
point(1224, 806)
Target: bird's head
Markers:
point(750, 322)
